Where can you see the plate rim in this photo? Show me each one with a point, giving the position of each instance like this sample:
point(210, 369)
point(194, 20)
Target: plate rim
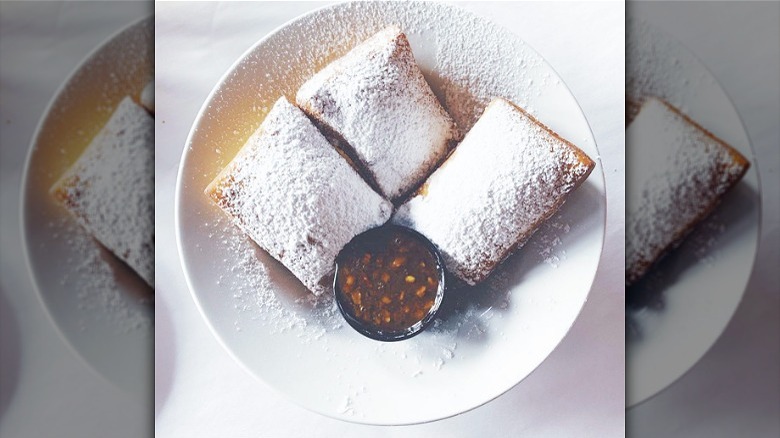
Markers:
point(179, 194)
point(657, 30)
point(25, 189)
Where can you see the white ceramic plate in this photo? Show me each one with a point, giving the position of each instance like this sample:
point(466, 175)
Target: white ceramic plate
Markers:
point(687, 302)
point(493, 338)
point(102, 309)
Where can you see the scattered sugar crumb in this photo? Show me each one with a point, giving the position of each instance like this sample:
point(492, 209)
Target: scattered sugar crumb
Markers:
point(467, 67)
point(93, 282)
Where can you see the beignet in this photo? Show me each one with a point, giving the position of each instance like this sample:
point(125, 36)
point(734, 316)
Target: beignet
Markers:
point(377, 101)
point(508, 175)
point(296, 196)
point(110, 188)
point(676, 174)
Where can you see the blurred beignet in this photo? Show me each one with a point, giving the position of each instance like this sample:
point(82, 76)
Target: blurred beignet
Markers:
point(110, 188)
point(676, 173)
point(377, 101)
point(508, 175)
point(296, 196)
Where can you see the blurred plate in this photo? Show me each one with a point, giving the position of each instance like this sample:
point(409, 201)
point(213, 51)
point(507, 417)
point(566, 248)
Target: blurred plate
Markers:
point(103, 310)
point(493, 336)
point(678, 312)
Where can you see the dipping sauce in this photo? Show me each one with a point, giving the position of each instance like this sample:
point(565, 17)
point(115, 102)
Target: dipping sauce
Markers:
point(389, 282)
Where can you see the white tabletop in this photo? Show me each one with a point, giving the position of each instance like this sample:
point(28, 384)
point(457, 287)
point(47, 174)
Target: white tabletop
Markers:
point(735, 389)
point(201, 391)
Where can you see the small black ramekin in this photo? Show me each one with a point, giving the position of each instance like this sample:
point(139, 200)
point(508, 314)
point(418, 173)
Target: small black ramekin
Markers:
point(370, 331)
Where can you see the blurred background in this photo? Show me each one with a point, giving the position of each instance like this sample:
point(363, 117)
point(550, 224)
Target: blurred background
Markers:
point(734, 390)
point(53, 379)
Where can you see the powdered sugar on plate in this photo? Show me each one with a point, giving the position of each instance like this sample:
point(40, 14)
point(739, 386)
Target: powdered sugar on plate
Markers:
point(253, 288)
point(93, 281)
point(655, 67)
point(299, 343)
point(466, 69)
point(255, 295)
point(549, 239)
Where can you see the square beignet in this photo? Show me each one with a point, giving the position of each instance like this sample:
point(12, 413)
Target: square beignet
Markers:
point(508, 175)
point(110, 188)
point(376, 99)
point(676, 174)
point(296, 196)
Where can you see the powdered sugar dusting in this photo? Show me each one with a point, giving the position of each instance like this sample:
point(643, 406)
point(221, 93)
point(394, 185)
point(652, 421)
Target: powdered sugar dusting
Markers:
point(466, 66)
point(93, 281)
point(474, 66)
point(655, 67)
point(479, 205)
point(292, 192)
point(255, 297)
point(109, 189)
point(548, 241)
point(467, 319)
point(258, 298)
point(120, 67)
point(705, 238)
point(679, 173)
point(376, 99)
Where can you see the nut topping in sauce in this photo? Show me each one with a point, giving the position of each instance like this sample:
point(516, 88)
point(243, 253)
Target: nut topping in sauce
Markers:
point(389, 282)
